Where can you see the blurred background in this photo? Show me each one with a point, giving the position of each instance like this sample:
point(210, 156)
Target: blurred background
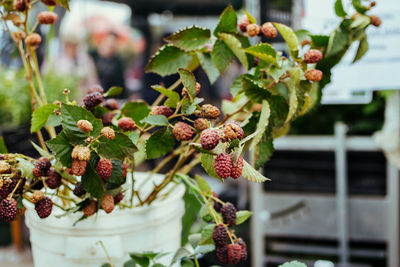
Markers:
point(334, 195)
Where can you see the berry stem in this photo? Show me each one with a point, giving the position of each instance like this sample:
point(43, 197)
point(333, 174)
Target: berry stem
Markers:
point(196, 261)
point(15, 189)
point(105, 251)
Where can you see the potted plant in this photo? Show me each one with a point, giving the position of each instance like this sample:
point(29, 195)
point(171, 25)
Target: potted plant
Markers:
point(86, 204)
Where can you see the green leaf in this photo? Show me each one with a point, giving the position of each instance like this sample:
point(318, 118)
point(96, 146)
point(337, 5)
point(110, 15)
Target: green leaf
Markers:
point(362, 48)
point(192, 207)
point(359, 7)
point(63, 3)
point(253, 90)
point(26, 168)
point(181, 253)
point(262, 123)
point(190, 39)
point(113, 91)
point(174, 96)
point(160, 143)
point(293, 264)
point(70, 116)
point(41, 115)
point(92, 182)
point(242, 216)
point(263, 151)
point(54, 120)
point(106, 265)
point(137, 110)
point(207, 161)
point(227, 21)
point(222, 56)
point(194, 239)
point(252, 174)
point(130, 263)
point(204, 249)
point(236, 47)
point(158, 265)
point(41, 151)
point(189, 81)
point(159, 120)
point(236, 86)
point(3, 147)
point(168, 60)
point(203, 185)
point(289, 36)
point(187, 263)
point(250, 17)
point(116, 172)
point(319, 40)
point(139, 259)
point(206, 235)
point(263, 51)
point(293, 100)
point(208, 66)
point(338, 40)
point(118, 148)
point(339, 10)
point(62, 148)
point(360, 22)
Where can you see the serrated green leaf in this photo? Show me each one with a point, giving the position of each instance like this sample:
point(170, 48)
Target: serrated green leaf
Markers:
point(160, 143)
point(359, 7)
point(236, 86)
point(159, 120)
point(276, 72)
point(92, 182)
point(253, 90)
point(61, 148)
point(113, 91)
point(3, 147)
point(181, 253)
point(116, 173)
point(289, 36)
point(262, 123)
point(263, 51)
point(192, 207)
point(139, 259)
point(26, 168)
point(41, 151)
point(174, 96)
point(194, 239)
point(263, 151)
point(54, 120)
point(189, 81)
point(293, 99)
point(302, 35)
point(293, 264)
point(41, 115)
point(137, 110)
point(319, 40)
point(207, 161)
point(118, 148)
point(362, 48)
point(208, 66)
point(70, 116)
point(206, 235)
point(338, 40)
point(221, 55)
point(168, 60)
point(252, 174)
point(203, 185)
point(242, 216)
point(204, 249)
point(236, 47)
point(227, 21)
point(339, 9)
point(190, 39)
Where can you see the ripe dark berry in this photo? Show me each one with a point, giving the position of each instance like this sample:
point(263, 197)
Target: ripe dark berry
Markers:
point(269, 30)
point(220, 235)
point(210, 112)
point(107, 118)
point(223, 165)
point(217, 205)
point(243, 23)
point(90, 209)
point(111, 104)
point(47, 17)
point(126, 124)
point(78, 167)
point(53, 180)
point(92, 100)
point(234, 253)
point(44, 207)
point(8, 210)
point(229, 214)
point(253, 30)
point(33, 40)
point(222, 254)
point(200, 124)
point(237, 168)
point(108, 203)
point(162, 110)
point(209, 139)
point(42, 166)
point(182, 131)
point(118, 198)
point(241, 243)
point(49, 2)
point(79, 190)
point(232, 131)
point(104, 169)
point(20, 5)
point(313, 75)
point(312, 56)
point(375, 20)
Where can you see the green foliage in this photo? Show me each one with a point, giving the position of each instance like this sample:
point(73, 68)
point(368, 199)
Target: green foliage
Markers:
point(236, 47)
point(293, 264)
point(160, 143)
point(227, 22)
point(190, 39)
point(222, 56)
point(136, 110)
point(41, 115)
point(118, 148)
point(113, 91)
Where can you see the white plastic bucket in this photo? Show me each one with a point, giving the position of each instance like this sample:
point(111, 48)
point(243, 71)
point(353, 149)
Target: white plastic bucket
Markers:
point(157, 228)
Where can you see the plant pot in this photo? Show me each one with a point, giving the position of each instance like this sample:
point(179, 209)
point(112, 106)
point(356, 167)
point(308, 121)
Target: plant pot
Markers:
point(55, 241)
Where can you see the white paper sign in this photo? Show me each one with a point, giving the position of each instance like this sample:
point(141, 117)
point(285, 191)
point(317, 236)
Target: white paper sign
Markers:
point(378, 69)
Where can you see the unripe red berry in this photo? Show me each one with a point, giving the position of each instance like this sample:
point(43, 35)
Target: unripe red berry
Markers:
point(104, 168)
point(210, 112)
point(47, 17)
point(44, 207)
point(312, 56)
point(253, 30)
point(229, 214)
point(313, 75)
point(237, 168)
point(78, 167)
point(232, 131)
point(243, 23)
point(182, 131)
point(375, 20)
point(118, 198)
point(223, 165)
point(90, 209)
point(201, 124)
point(124, 170)
point(241, 243)
point(85, 126)
point(209, 139)
point(108, 203)
point(269, 30)
point(96, 88)
point(234, 253)
point(162, 110)
point(8, 210)
point(126, 124)
point(108, 133)
point(33, 40)
point(111, 104)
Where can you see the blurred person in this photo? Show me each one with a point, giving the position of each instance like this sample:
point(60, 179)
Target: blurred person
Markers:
point(109, 66)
